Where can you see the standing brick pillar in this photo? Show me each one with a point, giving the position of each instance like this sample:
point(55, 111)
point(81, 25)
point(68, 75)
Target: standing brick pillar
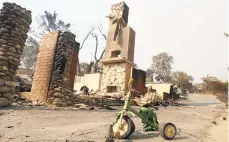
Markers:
point(14, 25)
point(42, 74)
point(55, 69)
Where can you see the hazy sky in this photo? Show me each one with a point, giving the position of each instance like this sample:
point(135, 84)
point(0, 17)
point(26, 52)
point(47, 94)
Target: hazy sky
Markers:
point(192, 31)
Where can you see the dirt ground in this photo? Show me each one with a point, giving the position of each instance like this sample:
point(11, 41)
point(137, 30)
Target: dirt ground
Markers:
point(194, 124)
point(219, 132)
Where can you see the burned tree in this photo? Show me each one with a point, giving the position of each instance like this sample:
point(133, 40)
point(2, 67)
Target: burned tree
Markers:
point(79, 72)
point(97, 60)
point(93, 65)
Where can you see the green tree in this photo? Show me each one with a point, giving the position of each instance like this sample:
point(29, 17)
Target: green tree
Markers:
point(162, 67)
point(84, 68)
point(149, 75)
point(183, 79)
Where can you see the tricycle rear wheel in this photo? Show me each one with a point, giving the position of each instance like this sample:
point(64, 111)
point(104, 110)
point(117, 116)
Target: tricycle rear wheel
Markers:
point(168, 131)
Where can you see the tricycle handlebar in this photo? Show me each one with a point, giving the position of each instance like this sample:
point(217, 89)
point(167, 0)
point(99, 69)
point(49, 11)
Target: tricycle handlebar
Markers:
point(135, 91)
point(130, 87)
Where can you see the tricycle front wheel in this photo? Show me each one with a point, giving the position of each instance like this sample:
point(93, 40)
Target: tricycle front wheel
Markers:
point(124, 129)
point(168, 131)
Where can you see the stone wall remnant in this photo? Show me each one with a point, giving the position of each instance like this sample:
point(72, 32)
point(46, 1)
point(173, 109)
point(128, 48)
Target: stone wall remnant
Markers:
point(55, 71)
point(14, 25)
point(61, 86)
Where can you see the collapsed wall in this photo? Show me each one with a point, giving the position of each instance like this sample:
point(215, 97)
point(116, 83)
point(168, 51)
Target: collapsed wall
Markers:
point(14, 25)
point(55, 70)
point(139, 77)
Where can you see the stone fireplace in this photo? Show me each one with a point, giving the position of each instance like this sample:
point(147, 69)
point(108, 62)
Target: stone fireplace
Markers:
point(119, 53)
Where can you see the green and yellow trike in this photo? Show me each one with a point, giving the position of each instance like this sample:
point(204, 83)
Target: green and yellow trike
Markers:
point(123, 127)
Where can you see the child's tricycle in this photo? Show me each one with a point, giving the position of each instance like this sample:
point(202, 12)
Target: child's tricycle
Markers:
point(124, 126)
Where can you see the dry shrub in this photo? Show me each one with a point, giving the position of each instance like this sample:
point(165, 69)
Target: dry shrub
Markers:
point(214, 86)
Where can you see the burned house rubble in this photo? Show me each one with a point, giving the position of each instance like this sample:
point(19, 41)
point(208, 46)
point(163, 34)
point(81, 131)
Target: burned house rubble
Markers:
point(54, 81)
